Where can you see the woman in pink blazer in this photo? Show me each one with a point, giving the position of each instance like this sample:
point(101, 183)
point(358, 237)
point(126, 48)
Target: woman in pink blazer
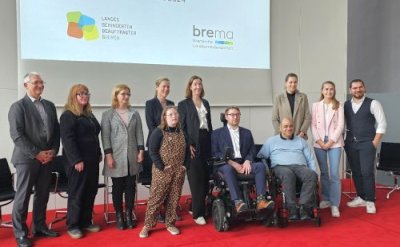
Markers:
point(327, 126)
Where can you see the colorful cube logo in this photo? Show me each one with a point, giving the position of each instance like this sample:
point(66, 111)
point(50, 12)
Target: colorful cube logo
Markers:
point(81, 26)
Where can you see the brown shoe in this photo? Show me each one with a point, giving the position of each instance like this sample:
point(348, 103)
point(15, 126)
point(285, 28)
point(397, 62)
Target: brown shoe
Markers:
point(263, 204)
point(241, 206)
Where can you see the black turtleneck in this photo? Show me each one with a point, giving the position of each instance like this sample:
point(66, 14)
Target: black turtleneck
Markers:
point(291, 100)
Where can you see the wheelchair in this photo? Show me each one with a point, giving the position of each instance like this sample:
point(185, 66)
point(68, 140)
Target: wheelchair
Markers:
point(223, 209)
point(282, 211)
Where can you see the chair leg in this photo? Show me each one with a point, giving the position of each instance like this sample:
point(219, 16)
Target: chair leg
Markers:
point(57, 218)
point(392, 188)
point(107, 210)
point(7, 224)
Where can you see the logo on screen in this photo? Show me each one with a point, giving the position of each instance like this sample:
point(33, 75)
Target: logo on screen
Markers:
point(81, 26)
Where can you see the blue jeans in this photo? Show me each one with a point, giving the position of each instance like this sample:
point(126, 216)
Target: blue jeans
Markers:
point(330, 178)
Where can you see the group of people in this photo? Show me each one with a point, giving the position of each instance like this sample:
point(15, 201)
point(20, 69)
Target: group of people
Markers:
point(361, 120)
point(181, 140)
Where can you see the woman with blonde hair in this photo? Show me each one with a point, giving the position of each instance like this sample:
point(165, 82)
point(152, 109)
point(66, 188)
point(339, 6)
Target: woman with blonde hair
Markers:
point(79, 135)
point(327, 126)
point(123, 144)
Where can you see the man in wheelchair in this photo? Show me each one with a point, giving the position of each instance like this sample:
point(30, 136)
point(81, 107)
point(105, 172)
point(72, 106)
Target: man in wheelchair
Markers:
point(240, 140)
point(291, 159)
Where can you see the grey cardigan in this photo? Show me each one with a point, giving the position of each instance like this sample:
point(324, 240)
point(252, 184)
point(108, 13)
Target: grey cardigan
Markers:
point(122, 141)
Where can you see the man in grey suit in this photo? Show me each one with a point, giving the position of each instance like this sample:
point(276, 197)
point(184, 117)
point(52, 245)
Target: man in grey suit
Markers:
point(35, 131)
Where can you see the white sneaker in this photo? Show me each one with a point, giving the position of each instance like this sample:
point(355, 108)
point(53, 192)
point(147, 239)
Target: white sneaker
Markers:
point(335, 212)
point(371, 209)
point(356, 202)
point(324, 204)
point(173, 230)
point(200, 221)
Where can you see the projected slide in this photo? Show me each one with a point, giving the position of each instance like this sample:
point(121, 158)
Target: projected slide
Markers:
point(210, 33)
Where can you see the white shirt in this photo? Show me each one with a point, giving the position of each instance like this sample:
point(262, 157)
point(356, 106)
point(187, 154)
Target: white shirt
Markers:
point(202, 113)
point(376, 109)
point(235, 140)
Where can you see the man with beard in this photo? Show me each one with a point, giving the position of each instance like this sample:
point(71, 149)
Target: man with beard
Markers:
point(366, 125)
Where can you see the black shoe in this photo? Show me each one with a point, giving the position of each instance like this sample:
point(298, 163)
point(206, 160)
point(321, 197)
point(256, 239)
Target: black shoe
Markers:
point(293, 213)
point(46, 233)
point(130, 222)
point(305, 213)
point(23, 242)
point(120, 221)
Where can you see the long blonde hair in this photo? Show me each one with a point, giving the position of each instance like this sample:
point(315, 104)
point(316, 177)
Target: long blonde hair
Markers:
point(335, 102)
point(117, 89)
point(72, 103)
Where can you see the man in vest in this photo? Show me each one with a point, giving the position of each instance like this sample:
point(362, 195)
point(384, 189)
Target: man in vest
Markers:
point(366, 125)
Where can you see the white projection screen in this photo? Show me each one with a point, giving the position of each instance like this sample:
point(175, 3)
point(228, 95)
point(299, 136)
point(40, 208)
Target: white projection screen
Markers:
point(102, 43)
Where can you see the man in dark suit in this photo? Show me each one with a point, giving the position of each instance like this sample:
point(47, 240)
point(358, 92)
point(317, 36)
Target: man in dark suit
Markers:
point(35, 131)
point(240, 140)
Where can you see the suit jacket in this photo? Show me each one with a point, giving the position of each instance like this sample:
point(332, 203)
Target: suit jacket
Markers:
point(27, 129)
point(221, 139)
point(80, 138)
point(153, 112)
point(122, 141)
point(301, 113)
point(190, 123)
point(335, 124)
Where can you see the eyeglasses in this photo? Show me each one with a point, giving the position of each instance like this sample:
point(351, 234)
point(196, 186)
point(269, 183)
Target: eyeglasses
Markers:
point(172, 114)
point(234, 114)
point(83, 94)
point(37, 82)
point(125, 94)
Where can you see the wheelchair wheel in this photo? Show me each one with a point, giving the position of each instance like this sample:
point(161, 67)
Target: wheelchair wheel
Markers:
point(218, 214)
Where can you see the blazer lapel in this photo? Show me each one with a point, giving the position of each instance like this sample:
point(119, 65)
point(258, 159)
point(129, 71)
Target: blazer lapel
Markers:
point(297, 99)
point(34, 110)
point(286, 106)
point(227, 137)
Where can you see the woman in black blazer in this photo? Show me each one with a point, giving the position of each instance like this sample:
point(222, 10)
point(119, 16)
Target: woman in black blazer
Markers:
point(155, 106)
point(80, 138)
point(196, 123)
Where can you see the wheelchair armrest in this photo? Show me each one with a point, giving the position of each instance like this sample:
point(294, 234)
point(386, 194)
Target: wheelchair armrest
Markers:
point(216, 161)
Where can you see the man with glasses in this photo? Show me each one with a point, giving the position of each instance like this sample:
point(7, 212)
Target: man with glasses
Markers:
point(240, 140)
point(35, 131)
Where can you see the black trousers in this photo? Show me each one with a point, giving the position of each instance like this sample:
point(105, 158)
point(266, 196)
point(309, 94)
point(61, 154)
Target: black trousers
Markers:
point(120, 186)
point(82, 190)
point(361, 156)
point(198, 175)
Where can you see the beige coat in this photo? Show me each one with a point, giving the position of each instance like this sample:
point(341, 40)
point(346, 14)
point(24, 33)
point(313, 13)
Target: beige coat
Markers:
point(301, 116)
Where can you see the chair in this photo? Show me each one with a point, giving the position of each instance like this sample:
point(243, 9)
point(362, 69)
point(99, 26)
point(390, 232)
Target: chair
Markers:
point(389, 161)
point(7, 191)
point(59, 185)
point(145, 176)
point(223, 209)
point(282, 210)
